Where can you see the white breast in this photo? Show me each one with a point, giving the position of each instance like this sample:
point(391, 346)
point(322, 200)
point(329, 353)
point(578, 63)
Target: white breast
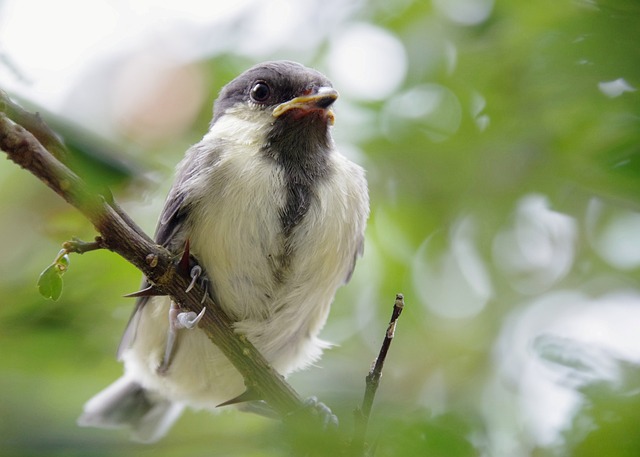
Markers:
point(239, 242)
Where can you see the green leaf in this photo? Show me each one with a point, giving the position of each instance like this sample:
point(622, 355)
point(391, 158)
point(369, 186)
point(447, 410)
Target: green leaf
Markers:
point(50, 282)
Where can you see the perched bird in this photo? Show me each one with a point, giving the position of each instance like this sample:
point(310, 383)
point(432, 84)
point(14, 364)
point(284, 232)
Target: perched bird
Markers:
point(275, 216)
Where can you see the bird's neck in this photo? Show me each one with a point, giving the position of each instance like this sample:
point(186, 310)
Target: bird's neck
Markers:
point(302, 147)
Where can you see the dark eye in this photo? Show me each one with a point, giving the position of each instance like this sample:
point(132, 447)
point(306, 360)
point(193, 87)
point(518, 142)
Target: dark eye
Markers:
point(260, 91)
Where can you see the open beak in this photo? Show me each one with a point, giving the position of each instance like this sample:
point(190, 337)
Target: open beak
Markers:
point(321, 101)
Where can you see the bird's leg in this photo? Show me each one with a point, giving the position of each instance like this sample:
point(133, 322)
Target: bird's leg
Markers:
point(171, 338)
point(180, 320)
point(177, 320)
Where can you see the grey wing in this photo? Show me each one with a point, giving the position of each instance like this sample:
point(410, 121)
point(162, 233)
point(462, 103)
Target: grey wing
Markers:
point(171, 232)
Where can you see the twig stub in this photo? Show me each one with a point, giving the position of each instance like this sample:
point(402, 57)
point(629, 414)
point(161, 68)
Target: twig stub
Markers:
point(80, 247)
point(373, 380)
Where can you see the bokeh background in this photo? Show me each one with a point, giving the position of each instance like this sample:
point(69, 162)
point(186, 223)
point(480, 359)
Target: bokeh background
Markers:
point(502, 144)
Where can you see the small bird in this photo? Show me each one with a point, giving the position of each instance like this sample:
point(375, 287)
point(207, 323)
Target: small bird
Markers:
point(275, 216)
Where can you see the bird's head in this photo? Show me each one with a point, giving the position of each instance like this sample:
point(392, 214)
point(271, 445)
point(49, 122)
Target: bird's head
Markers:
point(284, 100)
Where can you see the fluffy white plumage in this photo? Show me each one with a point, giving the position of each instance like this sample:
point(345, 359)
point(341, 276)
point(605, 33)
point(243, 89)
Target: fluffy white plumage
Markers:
point(237, 237)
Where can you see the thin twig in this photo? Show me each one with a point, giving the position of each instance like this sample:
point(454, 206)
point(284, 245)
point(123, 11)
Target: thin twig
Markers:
point(373, 381)
point(77, 246)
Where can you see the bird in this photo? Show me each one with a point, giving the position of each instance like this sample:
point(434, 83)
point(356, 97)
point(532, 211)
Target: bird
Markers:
point(275, 216)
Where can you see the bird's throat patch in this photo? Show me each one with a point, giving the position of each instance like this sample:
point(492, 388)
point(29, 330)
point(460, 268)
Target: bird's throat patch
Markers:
point(301, 149)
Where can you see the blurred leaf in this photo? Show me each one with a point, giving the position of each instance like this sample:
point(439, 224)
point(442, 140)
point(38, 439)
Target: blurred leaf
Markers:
point(422, 435)
point(50, 282)
point(607, 422)
point(100, 161)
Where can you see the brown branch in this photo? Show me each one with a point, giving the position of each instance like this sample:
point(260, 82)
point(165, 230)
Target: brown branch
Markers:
point(118, 233)
point(373, 381)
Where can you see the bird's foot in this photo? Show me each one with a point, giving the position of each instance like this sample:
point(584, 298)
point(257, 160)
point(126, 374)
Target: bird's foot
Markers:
point(198, 276)
point(322, 411)
point(177, 321)
point(187, 320)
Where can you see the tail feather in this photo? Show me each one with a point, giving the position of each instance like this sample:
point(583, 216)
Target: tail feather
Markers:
point(125, 403)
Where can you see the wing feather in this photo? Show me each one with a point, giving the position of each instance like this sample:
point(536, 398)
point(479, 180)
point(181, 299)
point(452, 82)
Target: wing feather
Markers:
point(172, 228)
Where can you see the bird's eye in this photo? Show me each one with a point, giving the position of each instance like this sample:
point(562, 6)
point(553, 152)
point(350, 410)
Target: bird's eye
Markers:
point(260, 91)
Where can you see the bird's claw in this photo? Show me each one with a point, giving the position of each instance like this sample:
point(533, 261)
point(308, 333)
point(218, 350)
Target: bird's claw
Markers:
point(188, 320)
point(195, 273)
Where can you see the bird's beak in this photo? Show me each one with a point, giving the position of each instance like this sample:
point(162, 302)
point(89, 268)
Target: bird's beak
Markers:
point(320, 100)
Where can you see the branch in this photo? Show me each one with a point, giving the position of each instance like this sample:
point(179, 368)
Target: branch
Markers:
point(34, 147)
point(373, 381)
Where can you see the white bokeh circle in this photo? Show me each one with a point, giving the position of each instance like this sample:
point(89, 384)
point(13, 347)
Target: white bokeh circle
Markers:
point(367, 62)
